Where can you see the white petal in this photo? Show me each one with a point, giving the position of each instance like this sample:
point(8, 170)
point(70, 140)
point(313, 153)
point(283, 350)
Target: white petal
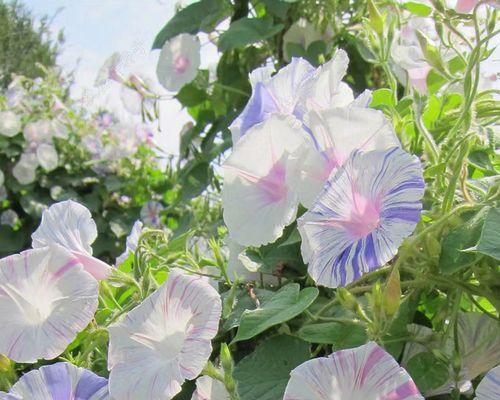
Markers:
point(47, 156)
point(108, 70)
point(132, 242)
point(131, 99)
point(337, 133)
point(178, 62)
point(239, 266)
point(256, 197)
point(70, 225)
point(164, 340)
point(10, 123)
point(365, 372)
point(209, 389)
point(25, 169)
point(46, 298)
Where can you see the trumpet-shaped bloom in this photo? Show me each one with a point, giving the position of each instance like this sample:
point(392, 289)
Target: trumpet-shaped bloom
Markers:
point(25, 169)
point(10, 123)
point(337, 132)
point(132, 242)
point(277, 95)
point(257, 199)
point(9, 217)
point(179, 61)
point(165, 340)
point(46, 298)
point(60, 381)
point(366, 209)
point(489, 387)
point(47, 156)
point(109, 70)
point(209, 389)
point(365, 372)
point(70, 225)
point(150, 213)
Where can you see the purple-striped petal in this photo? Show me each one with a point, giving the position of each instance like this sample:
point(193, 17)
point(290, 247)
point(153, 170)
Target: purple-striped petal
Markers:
point(489, 387)
point(46, 298)
point(366, 209)
point(60, 381)
point(365, 372)
point(165, 340)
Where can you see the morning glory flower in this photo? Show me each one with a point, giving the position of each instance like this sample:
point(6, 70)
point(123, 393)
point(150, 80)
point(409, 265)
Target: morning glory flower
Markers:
point(489, 387)
point(47, 157)
point(60, 381)
point(277, 95)
point(467, 6)
point(301, 32)
point(336, 133)
point(366, 209)
point(209, 389)
point(70, 225)
point(165, 340)
point(257, 198)
point(25, 169)
point(132, 242)
point(109, 71)
point(365, 372)
point(179, 61)
point(46, 298)
point(150, 213)
point(10, 123)
point(131, 100)
point(38, 132)
point(9, 217)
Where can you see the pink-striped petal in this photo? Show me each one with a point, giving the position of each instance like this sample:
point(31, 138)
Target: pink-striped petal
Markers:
point(365, 372)
point(165, 340)
point(46, 298)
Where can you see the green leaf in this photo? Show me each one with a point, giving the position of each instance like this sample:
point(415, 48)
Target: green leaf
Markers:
point(277, 7)
point(244, 302)
point(382, 97)
point(194, 180)
point(246, 31)
point(340, 335)
point(427, 371)
point(190, 96)
point(420, 9)
point(489, 242)
point(264, 374)
point(200, 16)
point(453, 255)
point(285, 304)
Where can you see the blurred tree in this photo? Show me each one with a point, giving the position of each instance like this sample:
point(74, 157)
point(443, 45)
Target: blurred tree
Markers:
point(24, 42)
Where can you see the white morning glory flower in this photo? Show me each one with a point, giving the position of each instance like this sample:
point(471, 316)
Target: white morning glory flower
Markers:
point(257, 199)
point(131, 243)
point(301, 32)
point(70, 225)
point(60, 381)
point(150, 213)
point(9, 217)
point(131, 100)
point(179, 61)
point(365, 372)
point(336, 133)
point(277, 95)
point(165, 340)
point(109, 71)
point(47, 157)
point(10, 123)
point(38, 132)
point(25, 169)
point(489, 387)
point(46, 298)
point(365, 210)
point(209, 389)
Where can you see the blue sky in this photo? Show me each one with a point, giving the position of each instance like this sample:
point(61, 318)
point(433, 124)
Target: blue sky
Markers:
point(94, 29)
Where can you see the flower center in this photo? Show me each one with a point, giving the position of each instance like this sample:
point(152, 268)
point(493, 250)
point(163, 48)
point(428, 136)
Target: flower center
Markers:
point(273, 186)
point(364, 217)
point(181, 64)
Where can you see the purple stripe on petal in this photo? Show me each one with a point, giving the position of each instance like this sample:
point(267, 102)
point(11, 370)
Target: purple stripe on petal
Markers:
point(370, 255)
point(405, 214)
point(404, 391)
point(343, 261)
point(416, 183)
point(260, 105)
